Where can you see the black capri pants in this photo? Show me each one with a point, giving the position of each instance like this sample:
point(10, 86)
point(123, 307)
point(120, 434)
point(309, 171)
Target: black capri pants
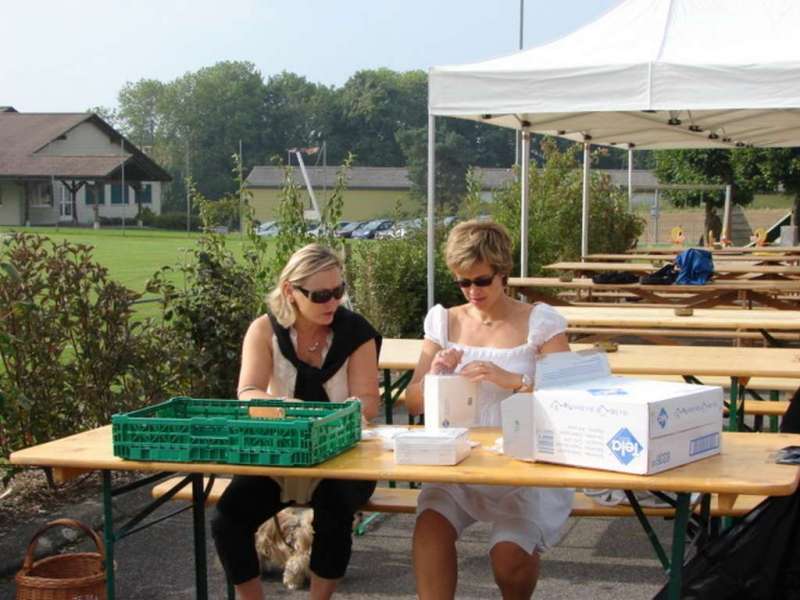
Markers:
point(250, 500)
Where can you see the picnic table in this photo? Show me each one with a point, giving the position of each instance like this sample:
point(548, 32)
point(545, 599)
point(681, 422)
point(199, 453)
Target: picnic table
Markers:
point(751, 258)
point(653, 322)
point(744, 466)
point(779, 294)
point(690, 362)
point(725, 270)
point(786, 250)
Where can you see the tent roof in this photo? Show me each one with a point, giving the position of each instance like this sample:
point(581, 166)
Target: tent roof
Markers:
point(648, 73)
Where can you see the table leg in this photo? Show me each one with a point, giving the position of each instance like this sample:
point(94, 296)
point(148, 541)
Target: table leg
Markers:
point(678, 545)
point(108, 534)
point(733, 405)
point(199, 521)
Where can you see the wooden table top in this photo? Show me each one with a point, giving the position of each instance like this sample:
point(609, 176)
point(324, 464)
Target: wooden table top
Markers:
point(701, 318)
point(674, 250)
point(745, 466)
point(719, 267)
point(756, 285)
point(636, 359)
point(750, 258)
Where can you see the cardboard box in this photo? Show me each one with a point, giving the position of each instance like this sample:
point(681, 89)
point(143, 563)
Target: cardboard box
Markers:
point(583, 416)
point(424, 447)
point(450, 401)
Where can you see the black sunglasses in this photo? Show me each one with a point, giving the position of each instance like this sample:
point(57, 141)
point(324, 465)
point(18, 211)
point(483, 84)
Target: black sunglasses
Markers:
point(483, 281)
point(322, 296)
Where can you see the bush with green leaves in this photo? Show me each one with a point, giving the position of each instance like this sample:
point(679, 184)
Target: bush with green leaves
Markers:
point(388, 283)
point(209, 312)
point(555, 204)
point(71, 353)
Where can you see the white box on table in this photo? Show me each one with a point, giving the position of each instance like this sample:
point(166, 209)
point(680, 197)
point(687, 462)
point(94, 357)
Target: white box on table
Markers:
point(581, 415)
point(450, 401)
point(432, 447)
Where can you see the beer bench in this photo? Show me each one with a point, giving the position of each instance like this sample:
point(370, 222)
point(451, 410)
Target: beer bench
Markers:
point(404, 501)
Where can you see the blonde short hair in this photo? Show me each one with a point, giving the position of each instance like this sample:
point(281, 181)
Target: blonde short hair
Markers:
point(474, 241)
point(307, 261)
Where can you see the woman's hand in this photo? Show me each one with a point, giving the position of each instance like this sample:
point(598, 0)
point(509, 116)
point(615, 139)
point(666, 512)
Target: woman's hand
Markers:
point(446, 361)
point(483, 370)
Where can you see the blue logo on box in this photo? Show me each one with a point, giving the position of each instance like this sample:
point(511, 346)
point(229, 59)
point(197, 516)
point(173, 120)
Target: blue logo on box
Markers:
point(624, 446)
point(662, 418)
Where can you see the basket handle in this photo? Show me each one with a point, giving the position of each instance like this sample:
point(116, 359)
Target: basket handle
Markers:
point(28, 561)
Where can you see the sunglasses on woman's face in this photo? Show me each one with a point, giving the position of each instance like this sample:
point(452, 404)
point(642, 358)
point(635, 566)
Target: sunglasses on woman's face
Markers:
point(482, 281)
point(322, 296)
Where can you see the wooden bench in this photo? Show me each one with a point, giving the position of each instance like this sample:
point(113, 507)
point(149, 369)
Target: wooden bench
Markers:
point(404, 500)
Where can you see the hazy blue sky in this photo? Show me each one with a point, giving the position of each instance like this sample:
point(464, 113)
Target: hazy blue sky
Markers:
point(65, 56)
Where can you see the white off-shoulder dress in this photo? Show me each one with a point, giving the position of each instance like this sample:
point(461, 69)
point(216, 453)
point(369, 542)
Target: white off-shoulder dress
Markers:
point(532, 518)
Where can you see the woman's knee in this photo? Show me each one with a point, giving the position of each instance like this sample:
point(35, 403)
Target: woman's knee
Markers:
point(433, 525)
point(515, 571)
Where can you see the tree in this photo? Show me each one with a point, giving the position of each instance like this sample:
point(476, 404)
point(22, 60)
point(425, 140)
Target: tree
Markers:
point(452, 154)
point(374, 105)
point(703, 167)
point(770, 169)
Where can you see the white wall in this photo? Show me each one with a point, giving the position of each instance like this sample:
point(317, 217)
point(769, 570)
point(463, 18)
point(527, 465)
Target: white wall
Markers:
point(112, 211)
point(84, 140)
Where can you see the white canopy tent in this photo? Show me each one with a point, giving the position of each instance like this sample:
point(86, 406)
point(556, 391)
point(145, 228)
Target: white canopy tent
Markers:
point(649, 74)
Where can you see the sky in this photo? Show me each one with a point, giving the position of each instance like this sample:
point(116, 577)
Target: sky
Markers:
point(58, 56)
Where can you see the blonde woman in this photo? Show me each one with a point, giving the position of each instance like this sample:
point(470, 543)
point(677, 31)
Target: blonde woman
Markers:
point(494, 340)
point(308, 347)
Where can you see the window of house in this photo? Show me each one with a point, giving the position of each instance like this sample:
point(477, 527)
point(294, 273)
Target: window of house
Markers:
point(95, 194)
point(41, 194)
point(116, 194)
point(145, 195)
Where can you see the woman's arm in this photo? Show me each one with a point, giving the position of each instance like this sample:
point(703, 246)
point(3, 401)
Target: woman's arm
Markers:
point(362, 378)
point(256, 369)
point(557, 343)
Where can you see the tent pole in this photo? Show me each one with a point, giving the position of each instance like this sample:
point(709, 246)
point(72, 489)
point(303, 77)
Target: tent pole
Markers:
point(585, 207)
point(630, 179)
point(431, 203)
point(525, 166)
point(726, 217)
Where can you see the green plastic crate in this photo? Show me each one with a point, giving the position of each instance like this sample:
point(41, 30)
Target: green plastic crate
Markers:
point(222, 431)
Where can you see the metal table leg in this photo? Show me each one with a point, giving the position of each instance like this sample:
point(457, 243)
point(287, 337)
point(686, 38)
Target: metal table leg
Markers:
point(108, 534)
point(199, 523)
point(678, 545)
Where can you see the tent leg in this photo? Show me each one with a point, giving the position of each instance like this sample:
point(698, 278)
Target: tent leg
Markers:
point(525, 165)
point(431, 203)
point(585, 208)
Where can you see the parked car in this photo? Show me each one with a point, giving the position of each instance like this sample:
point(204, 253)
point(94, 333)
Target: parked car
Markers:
point(268, 229)
point(368, 231)
point(347, 230)
point(405, 228)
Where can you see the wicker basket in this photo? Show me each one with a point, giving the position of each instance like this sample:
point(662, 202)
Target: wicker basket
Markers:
point(71, 576)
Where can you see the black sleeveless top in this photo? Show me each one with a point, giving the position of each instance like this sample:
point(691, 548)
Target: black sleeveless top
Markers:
point(350, 331)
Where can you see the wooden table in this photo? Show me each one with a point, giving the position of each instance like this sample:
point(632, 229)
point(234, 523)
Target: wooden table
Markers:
point(674, 250)
point(775, 294)
point(614, 321)
point(689, 362)
point(724, 270)
point(751, 258)
point(745, 466)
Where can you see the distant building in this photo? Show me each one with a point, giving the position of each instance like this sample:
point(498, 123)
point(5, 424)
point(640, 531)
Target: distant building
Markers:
point(68, 167)
point(374, 192)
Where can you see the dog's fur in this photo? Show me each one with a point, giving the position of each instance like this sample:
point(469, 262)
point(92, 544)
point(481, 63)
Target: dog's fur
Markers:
point(284, 542)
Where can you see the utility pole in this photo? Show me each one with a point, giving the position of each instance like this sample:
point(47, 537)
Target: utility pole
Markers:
point(188, 194)
point(122, 184)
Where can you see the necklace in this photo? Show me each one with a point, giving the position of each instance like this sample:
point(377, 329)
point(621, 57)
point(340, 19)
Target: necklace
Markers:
point(313, 347)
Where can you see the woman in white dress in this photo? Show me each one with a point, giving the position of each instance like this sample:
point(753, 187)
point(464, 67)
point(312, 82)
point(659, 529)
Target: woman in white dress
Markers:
point(494, 340)
point(309, 348)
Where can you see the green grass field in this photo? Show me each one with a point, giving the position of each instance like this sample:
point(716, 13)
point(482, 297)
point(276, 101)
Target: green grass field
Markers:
point(132, 256)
